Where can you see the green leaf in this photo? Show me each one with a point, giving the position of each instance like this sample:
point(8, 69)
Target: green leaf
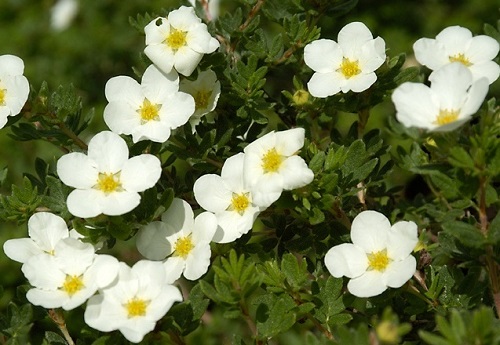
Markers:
point(445, 184)
point(54, 338)
point(460, 158)
point(294, 270)
point(494, 230)
point(467, 234)
point(279, 318)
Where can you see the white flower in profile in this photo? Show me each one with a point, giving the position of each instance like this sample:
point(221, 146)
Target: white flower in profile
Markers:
point(62, 14)
point(45, 230)
point(14, 87)
point(178, 41)
point(229, 199)
point(106, 180)
point(185, 238)
point(450, 101)
point(134, 302)
point(456, 44)
point(348, 65)
point(379, 256)
point(205, 91)
point(70, 276)
point(149, 110)
point(272, 165)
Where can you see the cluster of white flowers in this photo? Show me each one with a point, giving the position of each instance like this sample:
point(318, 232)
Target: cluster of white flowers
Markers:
point(462, 71)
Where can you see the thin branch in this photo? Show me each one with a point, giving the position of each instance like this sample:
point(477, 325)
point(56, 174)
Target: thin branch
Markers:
point(58, 319)
point(253, 12)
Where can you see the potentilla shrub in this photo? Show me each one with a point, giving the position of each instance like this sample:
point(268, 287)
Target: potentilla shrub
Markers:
point(223, 205)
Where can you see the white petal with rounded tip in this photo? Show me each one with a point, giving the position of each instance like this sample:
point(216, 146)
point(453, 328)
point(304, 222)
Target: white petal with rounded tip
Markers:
point(42, 272)
point(47, 299)
point(199, 39)
point(204, 228)
point(476, 95)
point(211, 193)
point(140, 173)
point(430, 53)
point(402, 239)
point(183, 18)
point(359, 83)
point(455, 38)
point(156, 131)
point(325, 84)
point(295, 173)
point(415, 105)
point(352, 37)
point(84, 203)
point(267, 190)
point(197, 262)
point(232, 172)
point(77, 170)
point(124, 89)
point(157, 85)
point(367, 285)
point(179, 215)
point(119, 203)
point(17, 93)
point(399, 272)
point(46, 229)
point(482, 48)
point(151, 241)
point(289, 142)
point(323, 55)
point(174, 266)
point(11, 65)
point(346, 260)
point(177, 109)
point(21, 249)
point(156, 34)
point(186, 60)
point(121, 118)
point(109, 151)
point(450, 84)
point(488, 69)
point(369, 231)
point(162, 56)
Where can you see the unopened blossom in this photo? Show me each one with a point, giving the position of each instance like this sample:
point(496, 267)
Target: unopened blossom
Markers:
point(150, 110)
point(346, 65)
point(272, 165)
point(229, 199)
point(70, 276)
point(456, 44)
point(185, 240)
point(205, 91)
point(45, 230)
point(378, 257)
point(178, 41)
point(134, 302)
point(106, 180)
point(14, 87)
point(450, 101)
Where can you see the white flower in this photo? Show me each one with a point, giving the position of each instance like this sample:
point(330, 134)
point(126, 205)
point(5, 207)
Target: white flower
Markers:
point(178, 41)
point(70, 276)
point(45, 230)
point(180, 234)
point(456, 44)
point(149, 110)
point(63, 13)
point(347, 65)
point(449, 102)
point(229, 199)
point(379, 256)
point(272, 165)
point(205, 91)
point(106, 180)
point(14, 87)
point(139, 297)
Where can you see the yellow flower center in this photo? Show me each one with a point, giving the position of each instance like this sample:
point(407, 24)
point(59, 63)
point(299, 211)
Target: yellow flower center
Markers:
point(72, 284)
point(183, 246)
point(349, 68)
point(149, 111)
point(108, 182)
point(239, 203)
point(176, 39)
point(271, 161)
point(136, 307)
point(378, 261)
point(2, 96)
point(460, 58)
point(201, 99)
point(446, 116)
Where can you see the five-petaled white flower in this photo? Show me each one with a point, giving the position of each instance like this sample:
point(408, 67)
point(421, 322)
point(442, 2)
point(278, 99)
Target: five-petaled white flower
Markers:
point(132, 304)
point(14, 87)
point(45, 230)
point(178, 41)
point(449, 102)
point(456, 44)
point(106, 180)
point(272, 165)
point(185, 238)
point(229, 199)
point(70, 276)
point(205, 91)
point(149, 110)
point(348, 65)
point(379, 256)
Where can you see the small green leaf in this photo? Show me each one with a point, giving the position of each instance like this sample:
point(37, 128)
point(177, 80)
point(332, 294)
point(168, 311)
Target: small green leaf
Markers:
point(467, 234)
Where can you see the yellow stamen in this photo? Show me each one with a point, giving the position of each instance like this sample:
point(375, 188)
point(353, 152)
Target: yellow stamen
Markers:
point(460, 58)
point(183, 246)
point(446, 116)
point(201, 99)
point(239, 203)
point(136, 307)
point(2, 96)
point(271, 161)
point(176, 39)
point(378, 261)
point(349, 68)
point(72, 284)
point(108, 182)
point(149, 111)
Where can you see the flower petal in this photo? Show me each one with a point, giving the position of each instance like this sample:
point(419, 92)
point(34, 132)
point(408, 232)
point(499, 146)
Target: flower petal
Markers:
point(87, 173)
point(46, 230)
point(323, 55)
point(179, 215)
point(402, 239)
point(346, 260)
point(151, 241)
point(399, 272)
point(369, 231)
point(367, 285)
point(140, 173)
point(109, 151)
point(211, 193)
point(325, 84)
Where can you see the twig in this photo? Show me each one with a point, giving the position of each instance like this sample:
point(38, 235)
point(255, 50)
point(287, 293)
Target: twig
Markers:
point(58, 319)
point(252, 14)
